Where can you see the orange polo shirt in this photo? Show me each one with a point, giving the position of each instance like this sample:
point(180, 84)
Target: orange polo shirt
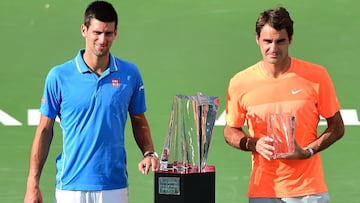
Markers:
point(306, 91)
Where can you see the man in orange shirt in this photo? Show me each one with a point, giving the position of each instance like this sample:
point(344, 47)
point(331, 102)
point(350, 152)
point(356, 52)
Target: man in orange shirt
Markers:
point(282, 84)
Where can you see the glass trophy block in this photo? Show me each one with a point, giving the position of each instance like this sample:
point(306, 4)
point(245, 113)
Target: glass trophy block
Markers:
point(190, 129)
point(281, 128)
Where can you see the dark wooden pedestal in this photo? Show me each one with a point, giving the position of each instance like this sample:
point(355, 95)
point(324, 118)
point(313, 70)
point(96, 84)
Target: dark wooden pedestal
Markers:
point(185, 188)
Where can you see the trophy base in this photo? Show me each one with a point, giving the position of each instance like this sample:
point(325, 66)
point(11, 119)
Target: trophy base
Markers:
point(185, 188)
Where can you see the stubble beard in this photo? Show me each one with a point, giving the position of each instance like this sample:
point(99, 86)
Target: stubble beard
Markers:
point(101, 53)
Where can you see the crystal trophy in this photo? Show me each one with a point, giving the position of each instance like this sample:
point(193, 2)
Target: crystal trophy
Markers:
point(184, 174)
point(281, 128)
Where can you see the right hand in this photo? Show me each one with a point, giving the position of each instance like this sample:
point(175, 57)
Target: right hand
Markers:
point(264, 147)
point(147, 163)
point(33, 196)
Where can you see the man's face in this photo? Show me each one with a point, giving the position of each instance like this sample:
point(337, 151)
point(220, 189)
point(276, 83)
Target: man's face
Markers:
point(273, 44)
point(99, 36)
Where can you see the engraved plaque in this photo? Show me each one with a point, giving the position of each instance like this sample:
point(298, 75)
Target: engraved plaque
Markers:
point(169, 185)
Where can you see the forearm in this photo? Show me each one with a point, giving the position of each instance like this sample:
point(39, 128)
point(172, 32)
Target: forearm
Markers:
point(143, 140)
point(327, 138)
point(142, 135)
point(237, 138)
point(39, 153)
point(332, 133)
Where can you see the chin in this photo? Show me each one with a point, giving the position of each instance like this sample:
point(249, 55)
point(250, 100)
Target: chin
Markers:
point(274, 60)
point(101, 53)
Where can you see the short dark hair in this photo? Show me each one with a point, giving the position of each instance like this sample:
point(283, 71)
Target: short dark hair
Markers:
point(278, 18)
point(102, 11)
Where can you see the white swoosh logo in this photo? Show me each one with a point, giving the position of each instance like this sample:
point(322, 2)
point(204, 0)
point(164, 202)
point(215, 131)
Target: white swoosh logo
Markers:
point(296, 91)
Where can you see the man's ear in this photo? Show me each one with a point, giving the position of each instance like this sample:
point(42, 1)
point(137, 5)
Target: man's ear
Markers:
point(257, 39)
point(83, 30)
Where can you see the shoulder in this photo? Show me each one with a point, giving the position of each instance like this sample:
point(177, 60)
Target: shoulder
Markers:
point(246, 75)
point(124, 64)
point(63, 69)
point(244, 80)
point(310, 71)
point(308, 68)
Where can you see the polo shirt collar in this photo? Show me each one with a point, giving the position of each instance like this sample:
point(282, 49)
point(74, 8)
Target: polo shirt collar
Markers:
point(83, 68)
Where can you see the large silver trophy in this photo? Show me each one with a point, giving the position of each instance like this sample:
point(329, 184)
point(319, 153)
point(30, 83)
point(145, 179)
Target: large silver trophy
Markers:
point(189, 134)
point(184, 168)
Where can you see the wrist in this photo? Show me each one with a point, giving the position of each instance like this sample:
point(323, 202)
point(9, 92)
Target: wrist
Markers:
point(32, 183)
point(247, 143)
point(151, 154)
point(310, 152)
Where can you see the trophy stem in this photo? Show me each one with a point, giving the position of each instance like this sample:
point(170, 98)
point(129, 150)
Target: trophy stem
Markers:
point(200, 137)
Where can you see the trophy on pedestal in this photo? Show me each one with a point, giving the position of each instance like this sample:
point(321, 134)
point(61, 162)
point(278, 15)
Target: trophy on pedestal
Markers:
point(184, 175)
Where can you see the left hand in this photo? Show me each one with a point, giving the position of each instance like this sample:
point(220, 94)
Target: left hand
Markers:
point(299, 153)
point(149, 162)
